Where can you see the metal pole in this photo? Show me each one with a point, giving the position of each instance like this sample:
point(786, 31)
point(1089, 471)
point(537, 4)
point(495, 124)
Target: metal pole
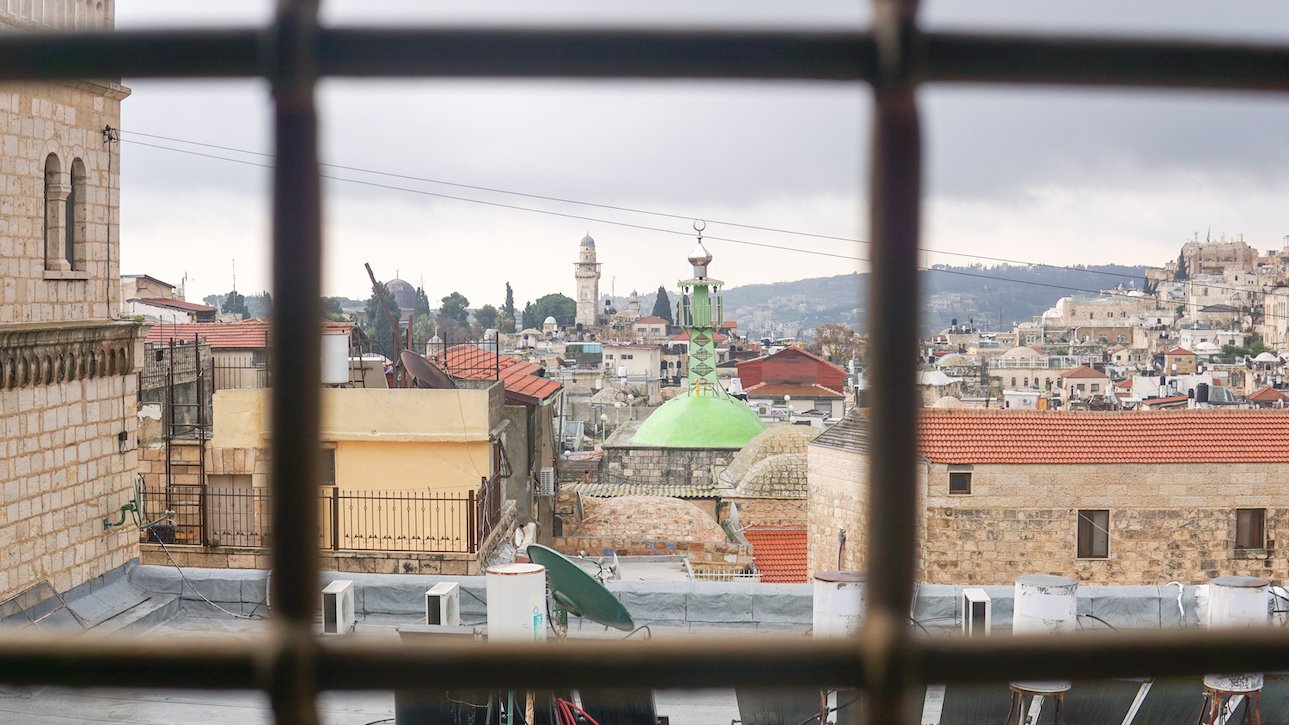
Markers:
point(895, 188)
point(297, 265)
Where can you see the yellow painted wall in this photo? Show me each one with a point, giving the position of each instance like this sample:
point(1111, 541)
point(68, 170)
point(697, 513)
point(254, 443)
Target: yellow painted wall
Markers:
point(410, 466)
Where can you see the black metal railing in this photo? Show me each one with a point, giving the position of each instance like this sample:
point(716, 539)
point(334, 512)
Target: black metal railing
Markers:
point(226, 376)
point(396, 521)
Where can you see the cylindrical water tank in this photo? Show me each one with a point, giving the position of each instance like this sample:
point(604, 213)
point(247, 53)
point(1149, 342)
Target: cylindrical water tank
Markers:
point(838, 603)
point(335, 359)
point(1237, 602)
point(1044, 604)
point(516, 603)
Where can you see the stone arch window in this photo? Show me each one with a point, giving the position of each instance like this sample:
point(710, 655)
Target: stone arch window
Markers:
point(75, 222)
point(55, 216)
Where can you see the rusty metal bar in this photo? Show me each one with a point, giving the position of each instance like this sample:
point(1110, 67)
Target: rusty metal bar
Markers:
point(295, 362)
point(895, 187)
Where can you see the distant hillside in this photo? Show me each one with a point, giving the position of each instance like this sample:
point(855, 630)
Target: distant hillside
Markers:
point(986, 294)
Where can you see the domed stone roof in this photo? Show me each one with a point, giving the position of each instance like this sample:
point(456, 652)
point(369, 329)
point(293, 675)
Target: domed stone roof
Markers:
point(781, 476)
point(646, 518)
point(698, 421)
point(1021, 351)
point(775, 440)
point(550, 320)
point(956, 359)
point(403, 291)
point(587, 241)
point(948, 402)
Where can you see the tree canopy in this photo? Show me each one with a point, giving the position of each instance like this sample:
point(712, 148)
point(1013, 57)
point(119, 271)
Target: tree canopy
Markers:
point(235, 304)
point(377, 327)
point(486, 317)
point(455, 309)
point(662, 306)
point(561, 307)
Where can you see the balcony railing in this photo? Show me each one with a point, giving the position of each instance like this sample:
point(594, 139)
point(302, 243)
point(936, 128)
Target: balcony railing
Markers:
point(406, 521)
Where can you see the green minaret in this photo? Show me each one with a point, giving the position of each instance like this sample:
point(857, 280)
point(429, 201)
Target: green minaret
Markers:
point(701, 310)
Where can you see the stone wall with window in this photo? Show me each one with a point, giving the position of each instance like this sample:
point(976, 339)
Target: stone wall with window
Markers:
point(1163, 523)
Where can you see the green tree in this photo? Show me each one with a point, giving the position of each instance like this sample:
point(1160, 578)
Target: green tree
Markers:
point(508, 307)
point(486, 316)
point(235, 304)
point(260, 305)
point(662, 306)
point(1183, 274)
point(422, 306)
point(561, 307)
point(332, 310)
point(377, 328)
point(455, 309)
point(505, 323)
point(529, 320)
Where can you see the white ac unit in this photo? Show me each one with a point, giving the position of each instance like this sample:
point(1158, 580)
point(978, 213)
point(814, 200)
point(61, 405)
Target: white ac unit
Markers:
point(443, 604)
point(338, 607)
point(546, 481)
point(977, 611)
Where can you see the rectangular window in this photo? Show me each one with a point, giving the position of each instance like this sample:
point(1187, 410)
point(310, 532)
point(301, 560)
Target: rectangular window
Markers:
point(327, 466)
point(959, 483)
point(1094, 534)
point(1250, 528)
point(1096, 387)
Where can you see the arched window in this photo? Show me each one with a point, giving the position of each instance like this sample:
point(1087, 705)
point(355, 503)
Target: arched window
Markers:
point(75, 228)
point(55, 216)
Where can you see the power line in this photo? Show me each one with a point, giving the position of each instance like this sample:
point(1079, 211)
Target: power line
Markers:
point(731, 240)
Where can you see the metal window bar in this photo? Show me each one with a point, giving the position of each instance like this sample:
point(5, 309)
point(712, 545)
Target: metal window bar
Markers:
point(894, 58)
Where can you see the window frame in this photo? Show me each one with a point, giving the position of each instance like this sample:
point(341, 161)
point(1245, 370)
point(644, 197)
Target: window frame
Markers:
point(1095, 531)
point(1260, 515)
point(962, 473)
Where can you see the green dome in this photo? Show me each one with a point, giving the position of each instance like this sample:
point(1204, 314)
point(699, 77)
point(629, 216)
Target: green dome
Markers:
point(688, 421)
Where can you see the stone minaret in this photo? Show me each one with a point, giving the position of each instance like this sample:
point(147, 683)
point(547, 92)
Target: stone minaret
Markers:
point(587, 273)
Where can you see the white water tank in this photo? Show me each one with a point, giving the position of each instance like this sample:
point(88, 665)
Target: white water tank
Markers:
point(516, 603)
point(335, 359)
point(838, 603)
point(1237, 602)
point(1044, 604)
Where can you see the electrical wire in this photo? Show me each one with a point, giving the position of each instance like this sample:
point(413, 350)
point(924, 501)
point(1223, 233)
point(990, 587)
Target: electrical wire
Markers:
point(662, 230)
point(1098, 619)
point(186, 580)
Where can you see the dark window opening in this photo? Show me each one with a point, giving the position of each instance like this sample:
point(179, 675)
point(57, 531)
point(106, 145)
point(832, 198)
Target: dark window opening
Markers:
point(959, 482)
point(1094, 534)
point(1250, 528)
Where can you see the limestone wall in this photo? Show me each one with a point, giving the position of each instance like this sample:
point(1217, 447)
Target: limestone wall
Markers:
point(659, 466)
point(766, 511)
point(836, 502)
point(61, 474)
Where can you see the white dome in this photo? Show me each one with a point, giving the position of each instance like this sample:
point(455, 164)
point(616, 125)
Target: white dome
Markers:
point(1021, 351)
point(1266, 357)
point(550, 320)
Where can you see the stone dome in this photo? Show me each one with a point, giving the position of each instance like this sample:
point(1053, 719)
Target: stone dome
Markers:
point(781, 476)
point(699, 421)
point(646, 518)
point(1021, 351)
point(403, 291)
point(948, 402)
point(550, 320)
point(954, 360)
point(777, 439)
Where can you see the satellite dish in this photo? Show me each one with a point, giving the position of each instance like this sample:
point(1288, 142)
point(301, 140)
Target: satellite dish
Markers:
point(425, 374)
point(578, 592)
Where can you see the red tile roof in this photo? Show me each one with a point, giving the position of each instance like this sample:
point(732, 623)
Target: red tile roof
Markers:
point(780, 554)
point(778, 390)
point(1170, 436)
point(650, 320)
point(519, 378)
point(1178, 351)
point(684, 335)
point(252, 334)
point(1267, 395)
point(176, 304)
point(1083, 371)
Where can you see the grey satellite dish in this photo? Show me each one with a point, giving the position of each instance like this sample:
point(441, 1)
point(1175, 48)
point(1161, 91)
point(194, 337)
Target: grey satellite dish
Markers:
point(424, 374)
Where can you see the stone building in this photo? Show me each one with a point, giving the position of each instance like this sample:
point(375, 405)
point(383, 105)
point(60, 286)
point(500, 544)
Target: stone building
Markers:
point(68, 363)
point(1106, 498)
point(587, 274)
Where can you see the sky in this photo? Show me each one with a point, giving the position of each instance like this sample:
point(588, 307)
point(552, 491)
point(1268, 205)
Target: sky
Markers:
point(1062, 176)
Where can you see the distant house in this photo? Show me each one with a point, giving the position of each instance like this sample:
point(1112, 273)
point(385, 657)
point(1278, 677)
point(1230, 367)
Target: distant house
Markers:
point(650, 328)
point(239, 349)
point(633, 362)
point(1180, 361)
point(809, 381)
point(1268, 397)
point(1084, 382)
point(161, 309)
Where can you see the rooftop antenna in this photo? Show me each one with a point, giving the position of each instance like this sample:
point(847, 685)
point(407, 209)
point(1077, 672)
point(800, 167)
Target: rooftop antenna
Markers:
point(234, 274)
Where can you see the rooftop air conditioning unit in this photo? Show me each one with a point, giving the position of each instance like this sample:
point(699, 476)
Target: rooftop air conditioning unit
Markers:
point(546, 481)
point(977, 611)
point(443, 604)
point(338, 607)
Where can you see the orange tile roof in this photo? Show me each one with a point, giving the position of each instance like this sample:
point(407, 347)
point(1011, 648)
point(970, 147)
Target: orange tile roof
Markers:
point(1167, 436)
point(780, 554)
point(1267, 395)
point(1178, 351)
point(519, 378)
point(777, 390)
point(684, 335)
point(650, 320)
point(1083, 371)
point(252, 334)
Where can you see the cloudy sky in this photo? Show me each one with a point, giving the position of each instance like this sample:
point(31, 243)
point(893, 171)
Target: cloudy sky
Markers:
point(1059, 176)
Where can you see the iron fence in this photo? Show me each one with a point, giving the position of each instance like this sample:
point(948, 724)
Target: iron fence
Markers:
point(400, 521)
point(239, 377)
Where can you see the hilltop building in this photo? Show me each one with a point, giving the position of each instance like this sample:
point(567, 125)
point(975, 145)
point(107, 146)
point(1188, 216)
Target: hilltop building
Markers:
point(68, 360)
point(586, 271)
